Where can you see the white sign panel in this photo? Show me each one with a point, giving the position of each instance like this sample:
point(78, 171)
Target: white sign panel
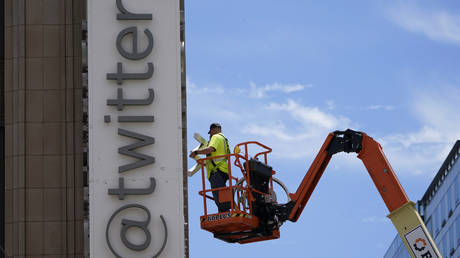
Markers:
point(135, 134)
point(419, 244)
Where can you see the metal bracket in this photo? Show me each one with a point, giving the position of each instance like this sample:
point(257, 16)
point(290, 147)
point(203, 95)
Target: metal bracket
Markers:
point(347, 141)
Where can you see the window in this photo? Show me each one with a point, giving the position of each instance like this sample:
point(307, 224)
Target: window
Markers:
point(402, 252)
point(443, 208)
point(451, 241)
point(405, 253)
point(457, 228)
point(429, 226)
point(435, 217)
point(456, 191)
point(450, 201)
point(443, 247)
point(393, 250)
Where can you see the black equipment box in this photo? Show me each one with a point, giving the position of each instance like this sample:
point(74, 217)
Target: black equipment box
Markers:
point(259, 174)
point(259, 169)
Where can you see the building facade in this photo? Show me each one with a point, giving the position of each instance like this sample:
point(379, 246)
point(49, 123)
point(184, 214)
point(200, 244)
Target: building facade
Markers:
point(44, 209)
point(440, 210)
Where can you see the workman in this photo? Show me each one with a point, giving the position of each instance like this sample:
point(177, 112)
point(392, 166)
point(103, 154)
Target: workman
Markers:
point(217, 169)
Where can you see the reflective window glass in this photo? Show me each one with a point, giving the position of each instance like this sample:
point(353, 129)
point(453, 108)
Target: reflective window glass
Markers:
point(457, 229)
point(450, 199)
point(443, 247)
point(436, 221)
point(429, 226)
point(443, 209)
point(405, 253)
point(456, 191)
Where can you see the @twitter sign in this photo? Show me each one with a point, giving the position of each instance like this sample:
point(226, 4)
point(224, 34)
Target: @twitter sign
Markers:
point(135, 132)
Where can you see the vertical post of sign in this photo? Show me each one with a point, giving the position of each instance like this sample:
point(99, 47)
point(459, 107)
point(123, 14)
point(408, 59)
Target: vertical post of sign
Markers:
point(136, 166)
point(2, 132)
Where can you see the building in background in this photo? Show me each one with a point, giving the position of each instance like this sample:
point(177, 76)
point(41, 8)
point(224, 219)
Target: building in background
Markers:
point(440, 209)
point(44, 128)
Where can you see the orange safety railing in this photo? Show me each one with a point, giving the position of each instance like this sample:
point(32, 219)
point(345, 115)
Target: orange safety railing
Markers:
point(233, 187)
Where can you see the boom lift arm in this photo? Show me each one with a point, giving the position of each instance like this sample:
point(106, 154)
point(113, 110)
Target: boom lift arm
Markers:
point(403, 214)
point(373, 158)
point(256, 215)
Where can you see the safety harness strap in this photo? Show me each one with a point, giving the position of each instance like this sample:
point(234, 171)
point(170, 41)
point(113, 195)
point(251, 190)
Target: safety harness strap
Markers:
point(221, 160)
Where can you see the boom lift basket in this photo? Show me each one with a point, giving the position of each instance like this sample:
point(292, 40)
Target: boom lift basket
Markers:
point(249, 187)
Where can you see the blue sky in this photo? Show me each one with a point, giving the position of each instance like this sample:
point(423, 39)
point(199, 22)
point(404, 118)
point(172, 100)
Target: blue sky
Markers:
point(286, 73)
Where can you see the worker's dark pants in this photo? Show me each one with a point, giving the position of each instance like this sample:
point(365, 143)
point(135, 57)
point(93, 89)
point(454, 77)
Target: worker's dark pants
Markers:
point(219, 179)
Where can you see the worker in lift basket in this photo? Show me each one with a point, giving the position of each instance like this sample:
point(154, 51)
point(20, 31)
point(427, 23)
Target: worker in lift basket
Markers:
point(217, 169)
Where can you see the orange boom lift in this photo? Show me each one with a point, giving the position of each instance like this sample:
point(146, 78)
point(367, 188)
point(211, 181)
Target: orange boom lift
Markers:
point(255, 214)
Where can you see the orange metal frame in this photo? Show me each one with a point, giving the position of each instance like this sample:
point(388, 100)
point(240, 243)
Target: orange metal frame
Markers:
point(240, 217)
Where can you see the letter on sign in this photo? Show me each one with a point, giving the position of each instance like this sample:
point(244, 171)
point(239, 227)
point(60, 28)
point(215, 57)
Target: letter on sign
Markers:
point(134, 55)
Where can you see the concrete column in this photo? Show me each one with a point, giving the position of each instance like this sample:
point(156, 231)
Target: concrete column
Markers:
point(43, 128)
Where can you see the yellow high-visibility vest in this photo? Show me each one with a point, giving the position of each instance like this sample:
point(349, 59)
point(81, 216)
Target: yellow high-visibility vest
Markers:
point(220, 144)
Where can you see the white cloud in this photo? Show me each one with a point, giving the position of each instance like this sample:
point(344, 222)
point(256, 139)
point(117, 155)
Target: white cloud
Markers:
point(192, 88)
point(424, 135)
point(438, 108)
point(330, 104)
point(418, 151)
point(296, 131)
point(437, 25)
point(310, 116)
point(261, 92)
point(380, 107)
point(293, 124)
point(276, 130)
point(374, 219)
point(283, 141)
point(423, 150)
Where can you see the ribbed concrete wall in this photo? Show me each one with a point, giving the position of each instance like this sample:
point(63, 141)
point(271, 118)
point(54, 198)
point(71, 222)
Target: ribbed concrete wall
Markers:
point(43, 128)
